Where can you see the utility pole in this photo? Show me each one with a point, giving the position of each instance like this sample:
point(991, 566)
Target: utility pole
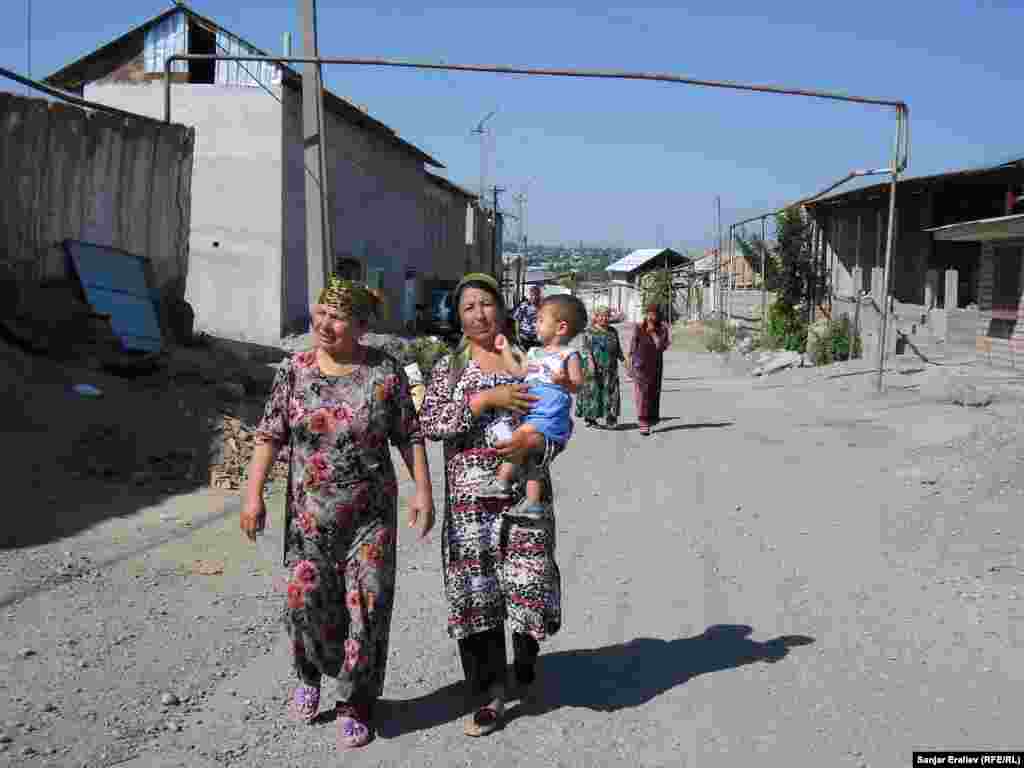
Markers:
point(494, 229)
point(890, 243)
point(28, 42)
point(319, 212)
point(521, 199)
point(483, 156)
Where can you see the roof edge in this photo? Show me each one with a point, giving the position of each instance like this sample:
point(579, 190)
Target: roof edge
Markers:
point(931, 178)
point(342, 108)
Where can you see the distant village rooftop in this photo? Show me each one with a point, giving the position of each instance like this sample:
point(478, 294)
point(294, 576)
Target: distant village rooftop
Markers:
point(643, 257)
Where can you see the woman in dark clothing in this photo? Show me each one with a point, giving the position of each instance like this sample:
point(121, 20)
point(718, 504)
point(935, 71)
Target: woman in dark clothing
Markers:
point(647, 358)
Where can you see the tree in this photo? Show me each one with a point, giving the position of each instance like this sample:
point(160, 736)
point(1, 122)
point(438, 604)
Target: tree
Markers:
point(756, 251)
point(656, 287)
point(798, 278)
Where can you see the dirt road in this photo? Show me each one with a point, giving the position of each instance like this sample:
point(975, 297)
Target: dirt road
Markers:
point(793, 569)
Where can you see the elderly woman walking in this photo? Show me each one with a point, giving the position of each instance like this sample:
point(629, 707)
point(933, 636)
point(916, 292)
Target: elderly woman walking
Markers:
point(337, 407)
point(602, 351)
point(647, 360)
point(497, 566)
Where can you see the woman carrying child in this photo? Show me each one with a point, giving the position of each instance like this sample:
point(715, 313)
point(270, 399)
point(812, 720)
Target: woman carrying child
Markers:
point(496, 566)
point(554, 374)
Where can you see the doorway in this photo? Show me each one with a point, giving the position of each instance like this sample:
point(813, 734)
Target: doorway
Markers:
point(1006, 290)
point(202, 41)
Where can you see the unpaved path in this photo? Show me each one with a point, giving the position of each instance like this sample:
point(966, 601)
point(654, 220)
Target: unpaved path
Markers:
point(788, 568)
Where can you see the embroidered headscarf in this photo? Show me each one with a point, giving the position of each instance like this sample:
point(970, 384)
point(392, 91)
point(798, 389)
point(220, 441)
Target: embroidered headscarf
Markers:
point(483, 281)
point(351, 299)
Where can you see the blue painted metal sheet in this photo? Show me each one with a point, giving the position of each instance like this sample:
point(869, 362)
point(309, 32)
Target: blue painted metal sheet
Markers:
point(115, 284)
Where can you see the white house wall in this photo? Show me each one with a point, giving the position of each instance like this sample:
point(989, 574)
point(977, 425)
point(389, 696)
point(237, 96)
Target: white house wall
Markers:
point(234, 277)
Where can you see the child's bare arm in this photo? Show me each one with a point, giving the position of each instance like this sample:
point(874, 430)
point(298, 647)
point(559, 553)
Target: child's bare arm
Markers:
point(575, 374)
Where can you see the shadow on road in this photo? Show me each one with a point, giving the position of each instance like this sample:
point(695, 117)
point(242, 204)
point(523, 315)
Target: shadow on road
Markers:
point(629, 426)
point(704, 425)
point(602, 679)
point(631, 674)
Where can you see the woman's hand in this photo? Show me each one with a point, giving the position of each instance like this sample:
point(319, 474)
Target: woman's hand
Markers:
point(253, 517)
point(511, 397)
point(516, 449)
point(421, 512)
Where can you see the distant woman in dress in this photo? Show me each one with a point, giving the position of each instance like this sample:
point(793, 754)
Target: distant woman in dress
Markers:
point(337, 406)
point(602, 351)
point(647, 361)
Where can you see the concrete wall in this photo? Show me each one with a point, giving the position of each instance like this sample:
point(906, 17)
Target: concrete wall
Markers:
point(744, 307)
point(479, 250)
point(1003, 352)
point(235, 279)
point(444, 233)
point(89, 176)
point(379, 207)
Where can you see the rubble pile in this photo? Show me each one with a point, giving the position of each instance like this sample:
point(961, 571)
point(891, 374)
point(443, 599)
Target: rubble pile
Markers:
point(235, 441)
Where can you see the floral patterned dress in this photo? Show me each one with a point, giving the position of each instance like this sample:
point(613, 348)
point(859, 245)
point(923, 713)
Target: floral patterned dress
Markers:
point(341, 512)
point(599, 397)
point(496, 567)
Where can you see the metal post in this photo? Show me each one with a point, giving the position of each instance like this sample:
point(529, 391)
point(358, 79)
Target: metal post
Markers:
point(494, 233)
point(718, 264)
point(668, 297)
point(319, 213)
point(858, 289)
point(764, 279)
point(888, 250)
point(28, 40)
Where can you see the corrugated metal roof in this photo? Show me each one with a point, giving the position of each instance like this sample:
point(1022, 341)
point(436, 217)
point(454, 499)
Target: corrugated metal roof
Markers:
point(872, 189)
point(982, 230)
point(441, 181)
point(642, 256)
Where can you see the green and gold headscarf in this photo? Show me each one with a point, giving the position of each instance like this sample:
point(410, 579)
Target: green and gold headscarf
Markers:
point(460, 358)
point(350, 299)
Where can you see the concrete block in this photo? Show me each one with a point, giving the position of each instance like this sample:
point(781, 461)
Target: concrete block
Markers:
point(946, 386)
point(777, 363)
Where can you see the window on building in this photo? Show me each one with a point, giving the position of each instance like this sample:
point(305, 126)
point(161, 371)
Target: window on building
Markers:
point(203, 41)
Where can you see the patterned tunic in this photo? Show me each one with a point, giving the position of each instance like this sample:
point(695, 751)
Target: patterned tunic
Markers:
point(525, 316)
point(599, 396)
point(341, 512)
point(496, 567)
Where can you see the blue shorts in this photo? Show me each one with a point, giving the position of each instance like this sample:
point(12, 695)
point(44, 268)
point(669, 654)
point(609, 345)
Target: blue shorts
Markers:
point(552, 414)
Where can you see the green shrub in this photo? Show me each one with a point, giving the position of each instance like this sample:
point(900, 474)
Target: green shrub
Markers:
point(425, 352)
point(839, 343)
point(786, 329)
point(719, 335)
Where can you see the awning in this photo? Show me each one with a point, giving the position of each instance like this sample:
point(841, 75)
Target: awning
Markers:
point(982, 230)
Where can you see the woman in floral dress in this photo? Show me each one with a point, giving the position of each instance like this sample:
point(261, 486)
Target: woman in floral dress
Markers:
point(599, 397)
point(337, 407)
point(497, 566)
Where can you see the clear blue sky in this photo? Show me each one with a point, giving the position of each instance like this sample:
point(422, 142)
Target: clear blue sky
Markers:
point(614, 160)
